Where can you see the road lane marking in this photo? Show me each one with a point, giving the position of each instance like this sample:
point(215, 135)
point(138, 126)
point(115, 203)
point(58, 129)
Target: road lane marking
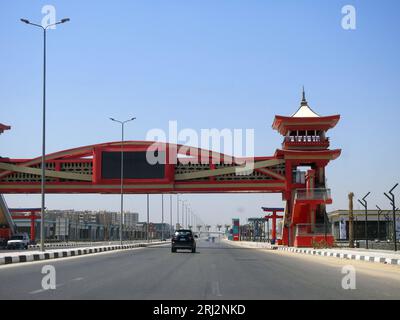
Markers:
point(215, 289)
point(78, 279)
point(43, 290)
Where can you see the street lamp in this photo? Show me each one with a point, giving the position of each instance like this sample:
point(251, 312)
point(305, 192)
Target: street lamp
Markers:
point(177, 211)
point(379, 220)
point(162, 218)
point(393, 203)
point(365, 205)
point(187, 213)
point(122, 123)
point(43, 123)
point(148, 218)
point(183, 212)
point(170, 215)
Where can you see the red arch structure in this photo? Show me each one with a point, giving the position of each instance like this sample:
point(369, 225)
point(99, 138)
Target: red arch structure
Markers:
point(95, 169)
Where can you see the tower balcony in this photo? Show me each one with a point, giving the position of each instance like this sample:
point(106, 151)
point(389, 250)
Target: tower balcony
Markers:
point(305, 142)
point(316, 196)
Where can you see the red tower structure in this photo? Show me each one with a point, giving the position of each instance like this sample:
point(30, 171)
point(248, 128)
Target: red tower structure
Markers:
point(306, 152)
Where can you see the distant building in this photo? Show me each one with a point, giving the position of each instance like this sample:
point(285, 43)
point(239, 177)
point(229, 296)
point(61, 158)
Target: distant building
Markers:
point(379, 227)
point(162, 228)
point(131, 219)
point(84, 225)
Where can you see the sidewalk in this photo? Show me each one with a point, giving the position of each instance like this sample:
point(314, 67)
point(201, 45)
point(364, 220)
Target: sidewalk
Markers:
point(377, 256)
point(28, 256)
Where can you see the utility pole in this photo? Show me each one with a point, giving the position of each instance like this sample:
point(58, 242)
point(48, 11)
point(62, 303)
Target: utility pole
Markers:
point(351, 220)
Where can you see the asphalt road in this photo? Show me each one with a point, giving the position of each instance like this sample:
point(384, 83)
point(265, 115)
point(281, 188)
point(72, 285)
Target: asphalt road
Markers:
point(217, 271)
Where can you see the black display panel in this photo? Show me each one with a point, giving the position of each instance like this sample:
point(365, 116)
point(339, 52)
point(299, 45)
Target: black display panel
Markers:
point(136, 166)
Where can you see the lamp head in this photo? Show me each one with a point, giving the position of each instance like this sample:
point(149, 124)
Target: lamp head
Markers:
point(65, 20)
point(25, 21)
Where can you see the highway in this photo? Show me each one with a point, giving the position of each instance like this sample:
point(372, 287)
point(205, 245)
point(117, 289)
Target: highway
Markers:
point(217, 271)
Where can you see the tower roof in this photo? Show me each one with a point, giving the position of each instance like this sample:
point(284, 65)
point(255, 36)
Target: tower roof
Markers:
point(304, 119)
point(305, 111)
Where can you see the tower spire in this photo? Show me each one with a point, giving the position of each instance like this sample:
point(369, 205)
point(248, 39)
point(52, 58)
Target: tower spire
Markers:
point(304, 101)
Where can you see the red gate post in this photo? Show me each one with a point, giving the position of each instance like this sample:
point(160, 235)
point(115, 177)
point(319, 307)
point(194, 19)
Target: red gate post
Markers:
point(273, 216)
point(32, 217)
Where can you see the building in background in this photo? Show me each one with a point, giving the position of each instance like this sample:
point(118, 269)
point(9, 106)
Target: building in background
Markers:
point(379, 227)
point(73, 225)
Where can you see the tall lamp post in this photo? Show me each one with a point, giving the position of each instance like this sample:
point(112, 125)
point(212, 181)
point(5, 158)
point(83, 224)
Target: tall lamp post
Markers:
point(379, 220)
point(365, 205)
point(187, 215)
point(44, 123)
point(393, 203)
point(183, 213)
point(122, 123)
point(162, 217)
point(148, 219)
point(170, 215)
point(177, 211)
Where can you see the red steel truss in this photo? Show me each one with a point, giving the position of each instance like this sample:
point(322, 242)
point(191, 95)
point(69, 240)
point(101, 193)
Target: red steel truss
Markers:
point(80, 171)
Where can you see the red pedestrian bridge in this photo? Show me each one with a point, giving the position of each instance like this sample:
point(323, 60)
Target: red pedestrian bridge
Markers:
point(296, 170)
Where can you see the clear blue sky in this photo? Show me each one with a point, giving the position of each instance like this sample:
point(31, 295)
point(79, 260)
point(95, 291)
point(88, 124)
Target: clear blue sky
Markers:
point(207, 64)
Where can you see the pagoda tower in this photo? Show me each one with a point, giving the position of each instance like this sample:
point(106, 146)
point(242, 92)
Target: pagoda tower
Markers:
point(306, 152)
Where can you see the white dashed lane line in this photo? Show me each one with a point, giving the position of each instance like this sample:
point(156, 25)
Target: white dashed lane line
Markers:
point(57, 286)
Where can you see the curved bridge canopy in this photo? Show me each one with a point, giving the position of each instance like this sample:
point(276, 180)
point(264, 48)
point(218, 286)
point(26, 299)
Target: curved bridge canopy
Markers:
point(171, 169)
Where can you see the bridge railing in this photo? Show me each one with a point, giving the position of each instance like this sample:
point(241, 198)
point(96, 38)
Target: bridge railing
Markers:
point(308, 139)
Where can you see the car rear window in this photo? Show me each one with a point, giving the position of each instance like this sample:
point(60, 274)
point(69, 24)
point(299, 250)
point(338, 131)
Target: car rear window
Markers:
point(183, 233)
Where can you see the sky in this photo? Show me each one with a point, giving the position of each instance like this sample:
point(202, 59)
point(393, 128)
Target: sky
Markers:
point(205, 64)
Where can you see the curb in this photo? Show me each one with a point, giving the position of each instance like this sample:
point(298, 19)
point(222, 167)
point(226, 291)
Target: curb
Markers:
point(72, 244)
point(70, 253)
point(347, 256)
point(317, 252)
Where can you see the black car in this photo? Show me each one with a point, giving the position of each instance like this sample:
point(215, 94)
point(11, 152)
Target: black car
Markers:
point(184, 239)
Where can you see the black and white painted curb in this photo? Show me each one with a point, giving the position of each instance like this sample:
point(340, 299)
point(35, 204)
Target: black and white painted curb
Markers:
point(70, 253)
point(341, 255)
point(316, 252)
point(73, 244)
